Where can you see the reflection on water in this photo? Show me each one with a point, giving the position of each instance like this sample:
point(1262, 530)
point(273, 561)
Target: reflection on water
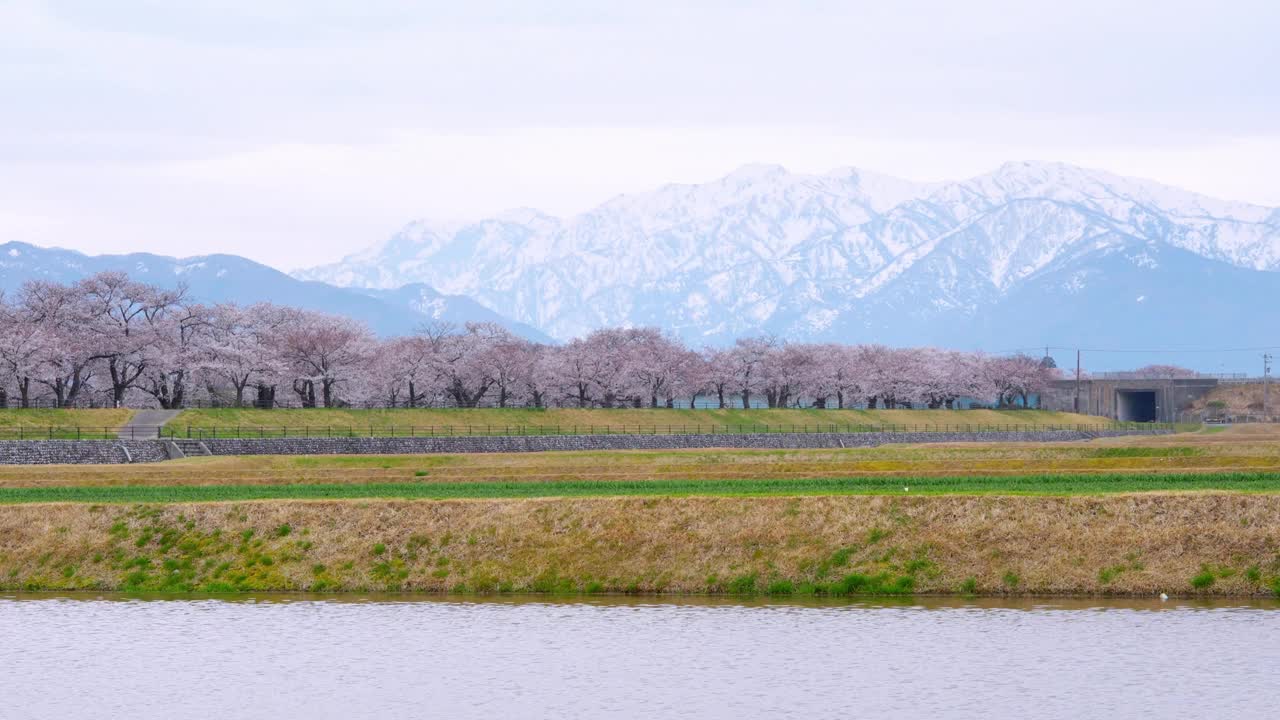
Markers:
point(297, 656)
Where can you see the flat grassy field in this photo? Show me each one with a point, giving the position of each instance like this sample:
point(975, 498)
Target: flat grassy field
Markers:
point(1040, 484)
point(1239, 450)
point(490, 421)
point(61, 424)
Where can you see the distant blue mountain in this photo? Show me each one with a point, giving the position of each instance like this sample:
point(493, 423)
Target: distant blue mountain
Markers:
point(1139, 295)
point(230, 278)
point(1031, 254)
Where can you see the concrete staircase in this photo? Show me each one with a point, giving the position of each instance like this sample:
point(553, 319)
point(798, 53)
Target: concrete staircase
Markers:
point(182, 448)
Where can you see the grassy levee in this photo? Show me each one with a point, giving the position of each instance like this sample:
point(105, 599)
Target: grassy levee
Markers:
point(493, 421)
point(1190, 514)
point(41, 423)
point(1182, 544)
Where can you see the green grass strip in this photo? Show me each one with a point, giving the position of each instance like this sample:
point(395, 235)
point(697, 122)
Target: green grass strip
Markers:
point(1023, 485)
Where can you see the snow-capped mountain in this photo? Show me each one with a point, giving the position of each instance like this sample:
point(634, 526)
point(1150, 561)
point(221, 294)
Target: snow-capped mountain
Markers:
point(230, 278)
point(847, 255)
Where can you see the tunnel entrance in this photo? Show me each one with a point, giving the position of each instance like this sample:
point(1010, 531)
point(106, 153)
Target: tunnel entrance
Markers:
point(1136, 405)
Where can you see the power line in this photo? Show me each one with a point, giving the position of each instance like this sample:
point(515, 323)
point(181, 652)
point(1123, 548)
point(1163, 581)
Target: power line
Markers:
point(1073, 348)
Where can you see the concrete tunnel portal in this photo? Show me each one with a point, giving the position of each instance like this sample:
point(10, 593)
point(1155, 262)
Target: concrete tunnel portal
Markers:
point(1136, 406)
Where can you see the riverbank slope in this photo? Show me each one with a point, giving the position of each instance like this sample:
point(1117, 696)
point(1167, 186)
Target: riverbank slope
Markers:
point(1137, 544)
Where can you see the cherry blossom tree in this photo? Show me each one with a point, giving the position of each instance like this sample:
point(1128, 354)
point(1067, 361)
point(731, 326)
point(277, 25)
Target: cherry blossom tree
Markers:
point(847, 374)
point(464, 360)
point(612, 363)
point(120, 326)
point(744, 362)
point(538, 380)
point(182, 342)
point(785, 370)
point(718, 370)
point(22, 345)
point(509, 360)
point(1019, 377)
point(659, 366)
point(570, 370)
point(1164, 372)
point(324, 352)
point(243, 349)
point(146, 345)
point(67, 361)
point(408, 372)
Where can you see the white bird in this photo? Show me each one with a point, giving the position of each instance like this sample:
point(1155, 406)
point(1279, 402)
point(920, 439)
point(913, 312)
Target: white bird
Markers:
point(1163, 597)
point(906, 489)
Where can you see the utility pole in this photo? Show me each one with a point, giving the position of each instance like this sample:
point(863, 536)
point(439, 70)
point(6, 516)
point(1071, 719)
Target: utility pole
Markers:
point(1077, 380)
point(1266, 385)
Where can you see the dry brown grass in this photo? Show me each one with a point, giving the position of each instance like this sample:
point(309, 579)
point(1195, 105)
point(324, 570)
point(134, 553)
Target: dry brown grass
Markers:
point(1123, 544)
point(1236, 399)
point(1128, 544)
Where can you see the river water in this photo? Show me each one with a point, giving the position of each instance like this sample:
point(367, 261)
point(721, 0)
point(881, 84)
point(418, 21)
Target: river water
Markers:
point(296, 657)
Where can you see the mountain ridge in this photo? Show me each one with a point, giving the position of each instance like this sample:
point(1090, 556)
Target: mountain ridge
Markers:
point(765, 250)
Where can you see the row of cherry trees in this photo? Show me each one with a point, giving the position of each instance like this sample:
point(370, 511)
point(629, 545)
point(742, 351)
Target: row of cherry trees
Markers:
point(108, 340)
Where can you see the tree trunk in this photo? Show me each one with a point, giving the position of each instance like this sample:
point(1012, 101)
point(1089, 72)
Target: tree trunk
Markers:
point(260, 396)
point(306, 392)
point(77, 384)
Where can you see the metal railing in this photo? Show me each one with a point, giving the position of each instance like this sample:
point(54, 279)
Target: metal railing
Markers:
point(146, 432)
point(1135, 375)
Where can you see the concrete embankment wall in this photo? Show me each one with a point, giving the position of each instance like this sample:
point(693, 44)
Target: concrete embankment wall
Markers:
point(1184, 544)
point(112, 451)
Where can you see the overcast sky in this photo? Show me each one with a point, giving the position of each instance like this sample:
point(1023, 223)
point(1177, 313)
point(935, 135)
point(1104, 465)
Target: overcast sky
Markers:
point(294, 132)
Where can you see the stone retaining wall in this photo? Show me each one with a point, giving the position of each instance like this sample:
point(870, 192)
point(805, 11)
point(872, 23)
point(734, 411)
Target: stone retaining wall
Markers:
point(544, 443)
point(39, 452)
point(80, 452)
